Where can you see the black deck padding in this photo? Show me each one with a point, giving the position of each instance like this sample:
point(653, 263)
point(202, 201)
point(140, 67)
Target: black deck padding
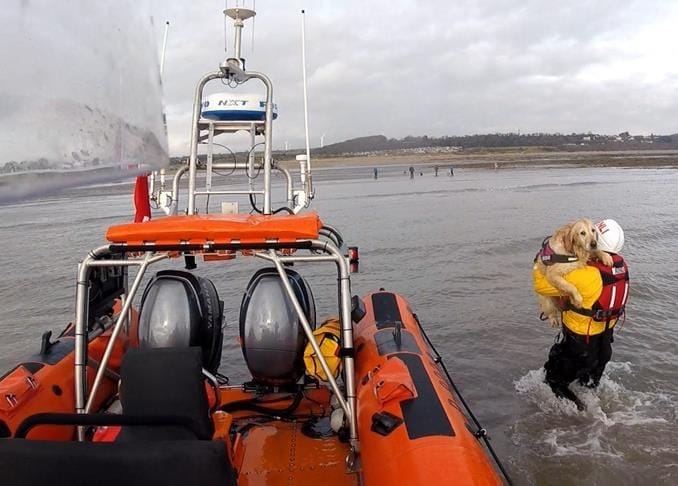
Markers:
point(424, 416)
point(163, 463)
point(58, 351)
point(32, 366)
point(164, 381)
point(386, 311)
point(386, 343)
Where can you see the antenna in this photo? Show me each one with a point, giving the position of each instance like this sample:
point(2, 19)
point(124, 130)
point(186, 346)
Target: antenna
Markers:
point(254, 7)
point(225, 28)
point(161, 198)
point(238, 14)
point(303, 69)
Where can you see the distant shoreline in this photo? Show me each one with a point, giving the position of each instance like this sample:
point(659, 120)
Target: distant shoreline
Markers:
point(471, 159)
point(505, 159)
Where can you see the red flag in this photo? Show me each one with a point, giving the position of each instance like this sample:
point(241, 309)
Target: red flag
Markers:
point(142, 204)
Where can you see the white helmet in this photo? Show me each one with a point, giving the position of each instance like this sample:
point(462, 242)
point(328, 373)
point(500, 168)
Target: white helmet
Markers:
point(610, 236)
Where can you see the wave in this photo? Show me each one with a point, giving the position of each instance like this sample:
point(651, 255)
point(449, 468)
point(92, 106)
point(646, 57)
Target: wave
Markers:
point(565, 431)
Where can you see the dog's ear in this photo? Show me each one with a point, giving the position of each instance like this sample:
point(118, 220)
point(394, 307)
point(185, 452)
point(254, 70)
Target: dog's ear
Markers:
point(570, 239)
point(562, 235)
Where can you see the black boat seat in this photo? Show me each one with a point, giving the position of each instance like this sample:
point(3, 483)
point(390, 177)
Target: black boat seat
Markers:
point(158, 386)
point(162, 463)
point(168, 382)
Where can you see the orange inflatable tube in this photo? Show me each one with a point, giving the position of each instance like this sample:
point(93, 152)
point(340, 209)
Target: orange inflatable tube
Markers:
point(45, 383)
point(410, 426)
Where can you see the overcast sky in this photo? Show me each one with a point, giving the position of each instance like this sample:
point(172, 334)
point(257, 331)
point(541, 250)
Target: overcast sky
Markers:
point(399, 67)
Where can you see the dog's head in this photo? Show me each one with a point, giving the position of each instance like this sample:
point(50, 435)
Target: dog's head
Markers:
point(581, 237)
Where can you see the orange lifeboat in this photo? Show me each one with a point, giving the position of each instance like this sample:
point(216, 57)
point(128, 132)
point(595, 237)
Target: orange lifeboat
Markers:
point(136, 397)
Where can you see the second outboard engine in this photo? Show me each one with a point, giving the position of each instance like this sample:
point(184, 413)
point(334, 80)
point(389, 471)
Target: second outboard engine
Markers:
point(271, 334)
point(181, 309)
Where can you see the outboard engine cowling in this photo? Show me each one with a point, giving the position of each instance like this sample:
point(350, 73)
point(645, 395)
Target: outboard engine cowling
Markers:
point(181, 309)
point(271, 334)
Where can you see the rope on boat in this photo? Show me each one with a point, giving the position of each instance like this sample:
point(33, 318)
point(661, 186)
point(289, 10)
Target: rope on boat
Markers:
point(332, 234)
point(254, 405)
point(481, 433)
point(253, 202)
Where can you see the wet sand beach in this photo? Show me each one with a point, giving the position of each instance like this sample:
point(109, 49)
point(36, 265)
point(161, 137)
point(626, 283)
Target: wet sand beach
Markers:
point(503, 158)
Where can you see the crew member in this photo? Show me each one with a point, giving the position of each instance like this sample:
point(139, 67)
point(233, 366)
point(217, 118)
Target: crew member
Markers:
point(585, 344)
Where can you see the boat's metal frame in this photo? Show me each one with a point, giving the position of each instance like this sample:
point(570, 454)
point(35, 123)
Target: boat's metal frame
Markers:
point(143, 256)
point(326, 250)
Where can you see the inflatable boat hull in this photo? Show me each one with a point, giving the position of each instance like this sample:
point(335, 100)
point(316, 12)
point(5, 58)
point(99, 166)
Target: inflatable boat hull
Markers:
point(410, 426)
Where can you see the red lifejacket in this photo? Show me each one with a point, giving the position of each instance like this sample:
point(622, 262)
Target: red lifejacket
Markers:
point(612, 300)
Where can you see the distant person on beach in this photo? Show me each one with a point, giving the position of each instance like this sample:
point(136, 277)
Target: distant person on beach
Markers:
point(411, 172)
point(584, 346)
point(451, 171)
point(435, 169)
point(376, 173)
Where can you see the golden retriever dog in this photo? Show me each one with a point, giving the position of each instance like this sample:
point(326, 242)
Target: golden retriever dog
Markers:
point(570, 247)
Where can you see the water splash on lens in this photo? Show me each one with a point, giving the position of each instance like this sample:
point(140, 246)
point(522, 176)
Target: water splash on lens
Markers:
point(80, 95)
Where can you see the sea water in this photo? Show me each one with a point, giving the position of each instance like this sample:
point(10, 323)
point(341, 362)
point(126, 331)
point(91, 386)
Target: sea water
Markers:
point(460, 249)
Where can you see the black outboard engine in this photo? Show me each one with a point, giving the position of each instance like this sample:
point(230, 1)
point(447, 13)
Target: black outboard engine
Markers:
point(271, 334)
point(181, 309)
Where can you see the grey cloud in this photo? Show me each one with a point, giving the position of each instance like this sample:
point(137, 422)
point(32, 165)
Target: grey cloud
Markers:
point(435, 67)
